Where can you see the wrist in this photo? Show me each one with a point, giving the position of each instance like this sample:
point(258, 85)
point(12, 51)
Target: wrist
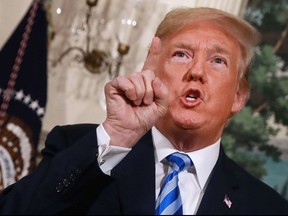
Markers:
point(121, 136)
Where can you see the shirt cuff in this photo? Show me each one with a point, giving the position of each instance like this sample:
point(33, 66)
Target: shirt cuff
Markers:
point(108, 156)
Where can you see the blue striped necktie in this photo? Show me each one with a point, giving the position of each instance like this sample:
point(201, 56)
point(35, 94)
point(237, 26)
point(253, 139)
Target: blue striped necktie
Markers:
point(169, 200)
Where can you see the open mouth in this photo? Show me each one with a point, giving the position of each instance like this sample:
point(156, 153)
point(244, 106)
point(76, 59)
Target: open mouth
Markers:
point(192, 95)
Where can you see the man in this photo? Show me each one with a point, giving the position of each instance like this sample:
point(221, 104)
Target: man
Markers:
point(193, 80)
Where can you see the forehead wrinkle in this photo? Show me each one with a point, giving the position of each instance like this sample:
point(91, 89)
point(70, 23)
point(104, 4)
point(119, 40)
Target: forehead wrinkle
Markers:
point(183, 45)
point(220, 49)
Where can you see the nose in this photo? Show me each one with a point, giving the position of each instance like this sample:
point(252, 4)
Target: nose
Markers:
point(196, 71)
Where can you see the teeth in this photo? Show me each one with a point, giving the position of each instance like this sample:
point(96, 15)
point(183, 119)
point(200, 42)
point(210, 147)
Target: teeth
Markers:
point(190, 98)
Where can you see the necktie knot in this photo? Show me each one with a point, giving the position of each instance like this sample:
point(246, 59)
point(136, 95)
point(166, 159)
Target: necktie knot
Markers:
point(179, 161)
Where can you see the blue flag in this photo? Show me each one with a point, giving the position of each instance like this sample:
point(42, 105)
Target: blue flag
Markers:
point(23, 94)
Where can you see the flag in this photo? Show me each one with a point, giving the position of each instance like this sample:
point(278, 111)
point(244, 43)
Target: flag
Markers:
point(23, 94)
point(227, 201)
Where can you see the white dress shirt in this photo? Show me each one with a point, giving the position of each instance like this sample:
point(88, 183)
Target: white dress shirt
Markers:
point(192, 182)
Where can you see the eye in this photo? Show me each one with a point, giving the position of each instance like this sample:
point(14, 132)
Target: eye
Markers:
point(180, 54)
point(219, 61)
point(181, 57)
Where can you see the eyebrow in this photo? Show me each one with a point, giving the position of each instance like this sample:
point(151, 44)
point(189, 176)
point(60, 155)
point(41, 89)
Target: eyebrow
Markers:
point(217, 48)
point(221, 50)
point(181, 45)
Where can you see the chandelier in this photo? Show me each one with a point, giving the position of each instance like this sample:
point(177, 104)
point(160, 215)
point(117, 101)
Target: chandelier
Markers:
point(95, 60)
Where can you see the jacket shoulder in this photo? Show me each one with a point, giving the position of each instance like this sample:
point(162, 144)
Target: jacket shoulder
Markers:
point(63, 136)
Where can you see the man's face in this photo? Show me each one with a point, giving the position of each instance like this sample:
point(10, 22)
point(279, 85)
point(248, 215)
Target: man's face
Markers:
point(199, 66)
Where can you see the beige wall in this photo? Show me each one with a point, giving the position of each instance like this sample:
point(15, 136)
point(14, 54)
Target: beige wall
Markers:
point(11, 12)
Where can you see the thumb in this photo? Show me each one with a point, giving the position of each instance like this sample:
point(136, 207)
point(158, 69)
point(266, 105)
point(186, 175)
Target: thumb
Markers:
point(152, 59)
point(161, 95)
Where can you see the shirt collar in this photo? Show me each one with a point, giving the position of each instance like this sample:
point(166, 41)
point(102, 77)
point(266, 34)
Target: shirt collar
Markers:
point(202, 165)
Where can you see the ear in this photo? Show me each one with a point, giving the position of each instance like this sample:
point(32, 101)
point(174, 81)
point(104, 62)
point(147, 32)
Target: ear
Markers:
point(240, 100)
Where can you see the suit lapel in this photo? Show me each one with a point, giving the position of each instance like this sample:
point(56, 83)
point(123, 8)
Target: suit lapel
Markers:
point(222, 190)
point(136, 177)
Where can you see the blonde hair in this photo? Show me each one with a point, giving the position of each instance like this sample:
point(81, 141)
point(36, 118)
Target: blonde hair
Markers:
point(245, 34)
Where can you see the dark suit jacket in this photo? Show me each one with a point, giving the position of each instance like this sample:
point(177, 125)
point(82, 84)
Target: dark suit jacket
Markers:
point(69, 181)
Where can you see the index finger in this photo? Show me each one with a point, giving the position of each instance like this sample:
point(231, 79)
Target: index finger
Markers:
point(152, 59)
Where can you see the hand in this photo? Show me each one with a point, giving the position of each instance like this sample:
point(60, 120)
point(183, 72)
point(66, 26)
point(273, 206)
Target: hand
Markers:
point(135, 102)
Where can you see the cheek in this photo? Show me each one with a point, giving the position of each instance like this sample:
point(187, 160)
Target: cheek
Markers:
point(225, 80)
point(168, 74)
point(224, 91)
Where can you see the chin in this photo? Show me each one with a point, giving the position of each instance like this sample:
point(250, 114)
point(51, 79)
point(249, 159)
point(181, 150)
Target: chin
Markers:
point(187, 123)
